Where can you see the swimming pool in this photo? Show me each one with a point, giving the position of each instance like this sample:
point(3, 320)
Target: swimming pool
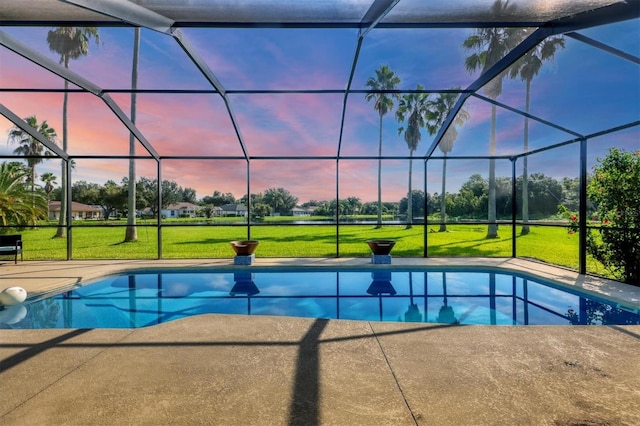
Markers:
point(145, 298)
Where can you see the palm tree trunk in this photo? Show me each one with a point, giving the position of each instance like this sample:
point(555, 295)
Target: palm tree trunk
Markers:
point(33, 184)
point(62, 220)
point(131, 233)
point(33, 178)
point(443, 200)
point(492, 231)
point(410, 196)
point(379, 225)
point(525, 177)
point(48, 201)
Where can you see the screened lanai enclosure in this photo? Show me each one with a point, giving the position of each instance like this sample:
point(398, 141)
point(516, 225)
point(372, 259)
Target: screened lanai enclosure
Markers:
point(456, 128)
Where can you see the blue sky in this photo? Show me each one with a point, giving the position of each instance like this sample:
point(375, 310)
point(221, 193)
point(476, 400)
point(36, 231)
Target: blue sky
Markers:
point(583, 89)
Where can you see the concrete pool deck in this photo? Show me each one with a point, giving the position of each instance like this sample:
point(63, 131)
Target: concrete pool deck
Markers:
point(239, 370)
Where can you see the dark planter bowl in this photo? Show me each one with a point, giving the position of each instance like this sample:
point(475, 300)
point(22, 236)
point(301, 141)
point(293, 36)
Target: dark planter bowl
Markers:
point(381, 287)
point(247, 288)
point(244, 247)
point(381, 247)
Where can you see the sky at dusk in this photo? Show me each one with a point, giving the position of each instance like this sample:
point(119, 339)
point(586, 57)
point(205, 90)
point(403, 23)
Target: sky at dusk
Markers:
point(583, 90)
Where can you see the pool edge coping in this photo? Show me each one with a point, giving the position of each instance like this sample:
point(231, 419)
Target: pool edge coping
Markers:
point(44, 280)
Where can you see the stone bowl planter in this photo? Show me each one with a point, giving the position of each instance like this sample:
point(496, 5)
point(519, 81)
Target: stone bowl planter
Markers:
point(244, 247)
point(381, 247)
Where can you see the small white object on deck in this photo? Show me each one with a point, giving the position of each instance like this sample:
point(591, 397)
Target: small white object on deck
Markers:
point(13, 296)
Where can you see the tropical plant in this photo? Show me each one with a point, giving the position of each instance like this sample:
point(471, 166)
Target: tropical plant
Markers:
point(49, 180)
point(348, 206)
point(70, 43)
point(384, 81)
point(473, 196)
point(527, 68)
point(439, 111)
point(30, 147)
point(131, 232)
point(614, 190)
point(260, 210)
point(19, 205)
point(490, 45)
point(16, 167)
point(112, 198)
point(147, 193)
point(86, 192)
point(353, 205)
point(219, 199)
point(417, 202)
point(414, 108)
point(279, 199)
point(189, 195)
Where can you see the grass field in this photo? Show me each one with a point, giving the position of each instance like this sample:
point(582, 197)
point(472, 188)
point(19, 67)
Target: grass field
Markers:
point(550, 244)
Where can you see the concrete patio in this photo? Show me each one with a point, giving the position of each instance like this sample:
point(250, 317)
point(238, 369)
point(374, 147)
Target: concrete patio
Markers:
point(239, 370)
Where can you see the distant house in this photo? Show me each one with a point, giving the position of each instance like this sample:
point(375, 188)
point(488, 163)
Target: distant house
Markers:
point(217, 211)
point(180, 210)
point(297, 211)
point(145, 213)
point(79, 211)
point(234, 210)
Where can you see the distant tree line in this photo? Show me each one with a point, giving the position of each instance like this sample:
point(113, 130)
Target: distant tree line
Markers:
point(546, 194)
point(112, 196)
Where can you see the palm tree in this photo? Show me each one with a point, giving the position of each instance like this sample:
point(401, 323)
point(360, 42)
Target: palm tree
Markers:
point(490, 45)
point(131, 233)
point(49, 180)
point(19, 205)
point(438, 112)
point(30, 147)
point(527, 68)
point(385, 80)
point(70, 43)
point(353, 205)
point(413, 107)
point(15, 168)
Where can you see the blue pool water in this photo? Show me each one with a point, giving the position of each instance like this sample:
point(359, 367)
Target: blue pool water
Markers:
point(146, 298)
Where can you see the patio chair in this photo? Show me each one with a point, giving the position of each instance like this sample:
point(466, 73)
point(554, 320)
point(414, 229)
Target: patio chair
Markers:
point(11, 245)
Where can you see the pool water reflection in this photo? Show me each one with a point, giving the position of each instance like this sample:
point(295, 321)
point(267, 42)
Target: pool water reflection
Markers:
point(455, 297)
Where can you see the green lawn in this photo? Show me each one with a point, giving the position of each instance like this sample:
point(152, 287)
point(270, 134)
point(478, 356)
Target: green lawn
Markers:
point(550, 244)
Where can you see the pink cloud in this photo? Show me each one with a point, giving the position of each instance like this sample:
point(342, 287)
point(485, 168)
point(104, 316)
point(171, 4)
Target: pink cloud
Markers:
point(45, 107)
point(18, 72)
point(292, 124)
point(184, 124)
point(305, 179)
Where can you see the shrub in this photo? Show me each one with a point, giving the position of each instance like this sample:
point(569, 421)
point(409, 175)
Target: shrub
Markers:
point(615, 190)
